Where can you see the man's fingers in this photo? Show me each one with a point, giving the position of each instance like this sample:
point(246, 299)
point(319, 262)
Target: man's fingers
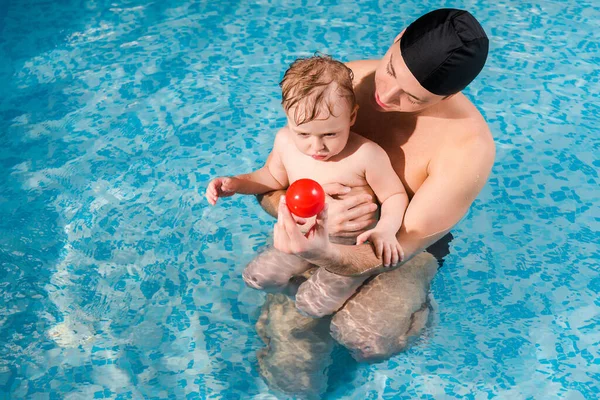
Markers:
point(299, 220)
point(286, 216)
point(360, 210)
point(280, 237)
point(369, 216)
point(354, 227)
point(354, 201)
point(323, 216)
point(351, 228)
point(335, 189)
point(321, 221)
point(278, 240)
point(280, 219)
point(311, 232)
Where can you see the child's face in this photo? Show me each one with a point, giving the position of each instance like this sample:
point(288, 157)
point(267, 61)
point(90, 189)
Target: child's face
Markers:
point(324, 138)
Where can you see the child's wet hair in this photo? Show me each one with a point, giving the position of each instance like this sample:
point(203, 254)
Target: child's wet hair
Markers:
point(307, 85)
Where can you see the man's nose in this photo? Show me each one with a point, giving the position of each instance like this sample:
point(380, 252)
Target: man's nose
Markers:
point(391, 96)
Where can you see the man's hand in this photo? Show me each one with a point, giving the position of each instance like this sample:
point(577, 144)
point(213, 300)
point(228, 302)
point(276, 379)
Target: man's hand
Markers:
point(313, 247)
point(386, 245)
point(352, 209)
point(221, 187)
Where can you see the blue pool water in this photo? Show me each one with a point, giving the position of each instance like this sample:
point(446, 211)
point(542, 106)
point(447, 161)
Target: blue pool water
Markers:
point(117, 280)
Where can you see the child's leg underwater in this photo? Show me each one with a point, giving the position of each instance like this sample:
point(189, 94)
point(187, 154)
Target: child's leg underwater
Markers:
point(272, 270)
point(324, 292)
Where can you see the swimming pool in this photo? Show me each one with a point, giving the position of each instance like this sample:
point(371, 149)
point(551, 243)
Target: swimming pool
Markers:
point(118, 281)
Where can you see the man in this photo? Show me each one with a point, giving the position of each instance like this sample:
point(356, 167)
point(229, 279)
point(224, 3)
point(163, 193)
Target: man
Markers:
point(438, 142)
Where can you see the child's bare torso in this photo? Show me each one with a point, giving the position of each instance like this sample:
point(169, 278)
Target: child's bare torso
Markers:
point(347, 168)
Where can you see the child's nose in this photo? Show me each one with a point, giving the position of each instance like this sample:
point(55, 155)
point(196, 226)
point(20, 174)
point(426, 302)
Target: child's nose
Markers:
point(318, 144)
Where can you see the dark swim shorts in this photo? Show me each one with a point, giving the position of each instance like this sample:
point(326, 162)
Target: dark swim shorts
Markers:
point(441, 248)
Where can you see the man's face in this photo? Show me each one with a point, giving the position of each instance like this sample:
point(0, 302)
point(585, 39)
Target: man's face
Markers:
point(323, 137)
point(396, 89)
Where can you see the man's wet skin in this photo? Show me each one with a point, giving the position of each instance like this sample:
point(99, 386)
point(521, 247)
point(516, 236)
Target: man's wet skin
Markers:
point(297, 349)
point(365, 214)
point(441, 149)
point(374, 324)
point(378, 322)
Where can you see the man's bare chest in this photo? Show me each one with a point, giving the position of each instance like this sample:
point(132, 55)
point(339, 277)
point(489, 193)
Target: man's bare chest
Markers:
point(410, 147)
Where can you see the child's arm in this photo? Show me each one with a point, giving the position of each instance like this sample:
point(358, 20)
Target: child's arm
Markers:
point(393, 198)
point(392, 213)
point(272, 176)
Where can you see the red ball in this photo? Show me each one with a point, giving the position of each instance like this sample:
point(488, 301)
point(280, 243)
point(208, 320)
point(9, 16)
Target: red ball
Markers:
point(305, 198)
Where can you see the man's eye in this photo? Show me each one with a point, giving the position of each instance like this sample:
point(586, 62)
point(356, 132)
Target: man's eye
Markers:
point(389, 70)
point(329, 135)
point(304, 135)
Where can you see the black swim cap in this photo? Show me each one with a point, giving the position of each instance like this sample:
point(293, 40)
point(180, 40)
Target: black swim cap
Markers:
point(445, 50)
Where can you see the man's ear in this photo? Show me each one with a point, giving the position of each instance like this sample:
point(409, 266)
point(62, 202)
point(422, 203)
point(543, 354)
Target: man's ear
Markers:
point(399, 35)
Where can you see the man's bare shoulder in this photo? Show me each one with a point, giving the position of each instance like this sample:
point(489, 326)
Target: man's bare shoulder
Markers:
point(468, 139)
point(472, 127)
point(477, 141)
point(362, 68)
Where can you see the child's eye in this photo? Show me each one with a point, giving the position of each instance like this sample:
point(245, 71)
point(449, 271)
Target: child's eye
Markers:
point(413, 101)
point(329, 135)
point(303, 135)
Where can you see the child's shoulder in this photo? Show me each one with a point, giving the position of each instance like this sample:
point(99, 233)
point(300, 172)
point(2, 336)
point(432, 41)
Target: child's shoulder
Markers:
point(282, 137)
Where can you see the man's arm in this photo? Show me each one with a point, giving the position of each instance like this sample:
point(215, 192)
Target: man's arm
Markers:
point(442, 200)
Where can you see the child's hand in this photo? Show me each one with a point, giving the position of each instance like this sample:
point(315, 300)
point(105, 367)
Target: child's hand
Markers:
point(221, 187)
point(386, 245)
